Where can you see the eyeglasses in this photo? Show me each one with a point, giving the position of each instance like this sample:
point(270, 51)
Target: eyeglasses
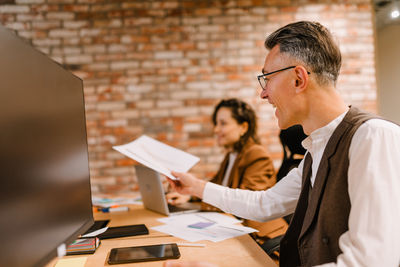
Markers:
point(263, 80)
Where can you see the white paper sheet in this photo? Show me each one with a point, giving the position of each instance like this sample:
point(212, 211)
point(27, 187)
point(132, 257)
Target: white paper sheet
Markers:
point(178, 231)
point(158, 156)
point(198, 226)
point(96, 232)
point(213, 233)
point(190, 218)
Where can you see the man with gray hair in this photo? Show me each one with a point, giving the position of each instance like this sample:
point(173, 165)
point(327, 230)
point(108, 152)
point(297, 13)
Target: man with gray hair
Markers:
point(345, 194)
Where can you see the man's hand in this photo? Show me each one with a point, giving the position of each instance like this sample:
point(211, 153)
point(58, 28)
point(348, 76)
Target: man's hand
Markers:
point(174, 198)
point(187, 184)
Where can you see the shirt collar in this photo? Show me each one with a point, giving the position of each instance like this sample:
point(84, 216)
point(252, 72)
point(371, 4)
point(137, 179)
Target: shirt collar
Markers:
point(323, 133)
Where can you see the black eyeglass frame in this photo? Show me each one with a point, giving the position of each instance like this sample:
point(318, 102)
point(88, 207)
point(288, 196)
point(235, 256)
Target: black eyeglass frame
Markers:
point(272, 72)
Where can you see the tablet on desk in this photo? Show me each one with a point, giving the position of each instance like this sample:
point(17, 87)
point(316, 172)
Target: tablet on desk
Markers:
point(143, 253)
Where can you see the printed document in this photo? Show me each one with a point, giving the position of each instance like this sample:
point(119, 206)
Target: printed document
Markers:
point(158, 156)
point(194, 227)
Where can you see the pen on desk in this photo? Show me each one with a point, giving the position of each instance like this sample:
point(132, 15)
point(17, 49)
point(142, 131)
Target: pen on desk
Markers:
point(231, 228)
point(124, 208)
point(205, 218)
point(191, 245)
point(106, 209)
point(114, 209)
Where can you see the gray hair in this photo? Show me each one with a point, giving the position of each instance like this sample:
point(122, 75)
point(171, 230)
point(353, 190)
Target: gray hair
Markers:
point(312, 44)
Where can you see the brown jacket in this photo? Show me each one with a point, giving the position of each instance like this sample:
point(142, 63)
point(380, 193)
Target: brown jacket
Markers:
point(252, 170)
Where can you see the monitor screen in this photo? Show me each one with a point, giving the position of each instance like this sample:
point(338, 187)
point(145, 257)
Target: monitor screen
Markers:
point(45, 194)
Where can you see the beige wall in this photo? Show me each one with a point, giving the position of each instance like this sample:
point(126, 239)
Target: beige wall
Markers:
point(388, 71)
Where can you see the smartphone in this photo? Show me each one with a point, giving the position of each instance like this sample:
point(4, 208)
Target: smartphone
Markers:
point(143, 253)
point(122, 231)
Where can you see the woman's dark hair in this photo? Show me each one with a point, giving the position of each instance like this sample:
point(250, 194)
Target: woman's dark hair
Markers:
point(241, 112)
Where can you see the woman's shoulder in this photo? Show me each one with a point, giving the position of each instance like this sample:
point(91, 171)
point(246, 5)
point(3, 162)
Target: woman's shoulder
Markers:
point(253, 149)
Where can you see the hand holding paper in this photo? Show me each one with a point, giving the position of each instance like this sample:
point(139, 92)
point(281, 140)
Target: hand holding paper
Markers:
point(188, 184)
point(158, 156)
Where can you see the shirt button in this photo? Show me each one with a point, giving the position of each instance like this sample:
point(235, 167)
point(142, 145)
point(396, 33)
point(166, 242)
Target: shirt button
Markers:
point(325, 240)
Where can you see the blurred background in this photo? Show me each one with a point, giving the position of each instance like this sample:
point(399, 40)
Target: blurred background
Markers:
point(159, 67)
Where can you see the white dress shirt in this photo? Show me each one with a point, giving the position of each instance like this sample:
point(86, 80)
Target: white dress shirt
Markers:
point(373, 238)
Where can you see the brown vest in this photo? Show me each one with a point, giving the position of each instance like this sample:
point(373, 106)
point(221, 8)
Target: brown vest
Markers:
point(322, 213)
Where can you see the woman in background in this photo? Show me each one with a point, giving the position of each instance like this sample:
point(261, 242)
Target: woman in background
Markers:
point(246, 165)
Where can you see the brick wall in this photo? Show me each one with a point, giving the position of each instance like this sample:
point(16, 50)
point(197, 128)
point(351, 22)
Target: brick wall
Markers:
point(159, 67)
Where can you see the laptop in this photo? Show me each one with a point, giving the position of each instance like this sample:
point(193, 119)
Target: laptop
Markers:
point(153, 195)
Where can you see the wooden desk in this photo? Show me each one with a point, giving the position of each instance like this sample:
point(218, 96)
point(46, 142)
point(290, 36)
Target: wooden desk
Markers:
point(239, 251)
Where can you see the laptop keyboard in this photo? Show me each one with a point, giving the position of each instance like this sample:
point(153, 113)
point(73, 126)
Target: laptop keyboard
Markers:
point(173, 208)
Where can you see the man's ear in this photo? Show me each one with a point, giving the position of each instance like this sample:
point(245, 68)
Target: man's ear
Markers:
point(302, 79)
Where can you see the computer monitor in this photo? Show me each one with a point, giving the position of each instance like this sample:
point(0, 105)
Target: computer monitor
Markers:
point(45, 196)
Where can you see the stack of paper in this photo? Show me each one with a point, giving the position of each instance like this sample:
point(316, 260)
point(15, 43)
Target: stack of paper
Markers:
point(83, 246)
point(158, 156)
point(198, 226)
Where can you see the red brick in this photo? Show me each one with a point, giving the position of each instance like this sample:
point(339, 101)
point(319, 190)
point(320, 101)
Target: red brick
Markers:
point(13, 9)
point(159, 67)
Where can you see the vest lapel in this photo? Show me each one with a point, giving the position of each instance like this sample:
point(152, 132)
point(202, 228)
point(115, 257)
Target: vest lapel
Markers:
point(316, 193)
point(289, 255)
point(322, 173)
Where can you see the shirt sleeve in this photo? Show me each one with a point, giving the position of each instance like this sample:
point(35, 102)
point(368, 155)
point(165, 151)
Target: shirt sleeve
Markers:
point(280, 200)
point(373, 238)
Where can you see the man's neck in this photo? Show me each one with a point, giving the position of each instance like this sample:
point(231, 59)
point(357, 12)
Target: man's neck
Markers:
point(323, 108)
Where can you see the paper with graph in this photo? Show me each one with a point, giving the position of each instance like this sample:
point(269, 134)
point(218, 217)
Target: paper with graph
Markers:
point(193, 227)
point(158, 156)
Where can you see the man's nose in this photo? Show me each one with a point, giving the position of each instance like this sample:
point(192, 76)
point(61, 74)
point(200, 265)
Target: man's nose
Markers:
point(264, 94)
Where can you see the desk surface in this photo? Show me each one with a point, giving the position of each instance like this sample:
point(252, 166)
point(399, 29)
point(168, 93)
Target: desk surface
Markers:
point(239, 251)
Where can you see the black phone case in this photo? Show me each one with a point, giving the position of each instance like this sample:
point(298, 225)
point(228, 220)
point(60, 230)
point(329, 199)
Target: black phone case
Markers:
point(122, 231)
